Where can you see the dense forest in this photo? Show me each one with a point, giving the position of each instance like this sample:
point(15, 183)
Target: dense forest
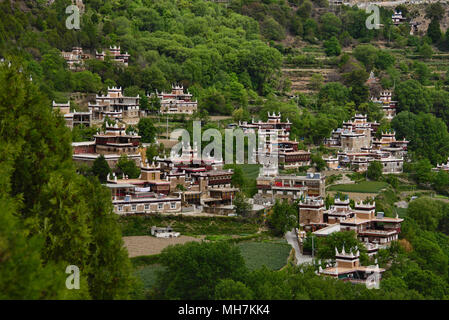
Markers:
point(231, 61)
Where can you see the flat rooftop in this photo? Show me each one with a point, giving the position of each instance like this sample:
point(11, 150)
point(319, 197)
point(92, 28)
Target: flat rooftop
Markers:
point(328, 230)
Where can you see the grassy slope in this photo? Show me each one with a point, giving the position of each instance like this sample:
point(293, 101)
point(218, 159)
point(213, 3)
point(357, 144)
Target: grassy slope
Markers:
point(362, 187)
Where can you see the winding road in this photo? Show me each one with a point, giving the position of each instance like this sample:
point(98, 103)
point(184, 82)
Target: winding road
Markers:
point(292, 240)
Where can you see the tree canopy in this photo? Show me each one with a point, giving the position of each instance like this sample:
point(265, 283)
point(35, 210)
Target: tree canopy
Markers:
point(59, 217)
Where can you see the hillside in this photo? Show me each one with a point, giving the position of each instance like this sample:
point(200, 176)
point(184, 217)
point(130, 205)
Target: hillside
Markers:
point(313, 64)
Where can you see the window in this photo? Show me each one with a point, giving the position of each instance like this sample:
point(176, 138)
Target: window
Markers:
point(173, 205)
point(133, 207)
point(147, 207)
point(120, 208)
point(160, 205)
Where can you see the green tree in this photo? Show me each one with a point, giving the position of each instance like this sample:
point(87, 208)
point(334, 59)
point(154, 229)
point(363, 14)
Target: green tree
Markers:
point(58, 211)
point(367, 54)
point(147, 131)
point(305, 9)
point(325, 247)
point(374, 171)
point(155, 103)
point(355, 80)
point(318, 162)
point(271, 29)
point(23, 275)
point(128, 167)
point(427, 134)
point(425, 212)
point(412, 96)
point(241, 205)
point(110, 275)
point(214, 103)
point(152, 152)
point(434, 31)
point(334, 92)
point(193, 270)
point(86, 81)
point(82, 133)
point(426, 51)
point(282, 218)
point(421, 72)
point(384, 60)
point(101, 168)
point(229, 289)
point(441, 182)
point(330, 25)
point(240, 115)
point(181, 187)
point(238, 178)
point(423, 171)
point(332, 47)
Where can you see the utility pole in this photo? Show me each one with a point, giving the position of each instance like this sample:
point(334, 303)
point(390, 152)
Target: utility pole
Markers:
point(167, 126)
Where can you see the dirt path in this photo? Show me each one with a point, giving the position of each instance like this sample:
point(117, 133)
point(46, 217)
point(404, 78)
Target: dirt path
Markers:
point(148, 245)
point(292, 240)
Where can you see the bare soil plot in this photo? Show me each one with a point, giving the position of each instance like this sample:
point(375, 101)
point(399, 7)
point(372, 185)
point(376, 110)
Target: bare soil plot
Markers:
point(148, 245)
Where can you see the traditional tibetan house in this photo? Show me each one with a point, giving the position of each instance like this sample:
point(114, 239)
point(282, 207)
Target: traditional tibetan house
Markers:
point(177, 101)
point(289, 156)
point(115, 54)
point(311, 211)
point(114, 106)
point(347, 268)
point(111, 144)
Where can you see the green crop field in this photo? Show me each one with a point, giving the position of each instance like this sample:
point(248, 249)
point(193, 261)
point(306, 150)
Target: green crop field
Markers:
point(362, 187)
point(271, 254)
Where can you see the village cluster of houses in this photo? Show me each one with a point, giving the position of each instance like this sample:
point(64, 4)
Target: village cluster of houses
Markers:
point(177, 101)
point(166, 185)
point(289, 156)
point(386, 103)
point(442, 167)
point(358, 147)
point(75, 59)
point(190, 183)
point(372, 228)
point(116, 106)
